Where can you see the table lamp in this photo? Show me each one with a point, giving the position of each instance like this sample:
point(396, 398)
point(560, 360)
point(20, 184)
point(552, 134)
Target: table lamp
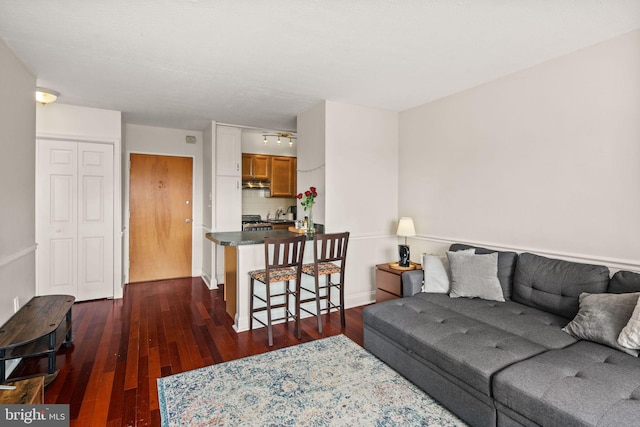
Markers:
point(405, 229)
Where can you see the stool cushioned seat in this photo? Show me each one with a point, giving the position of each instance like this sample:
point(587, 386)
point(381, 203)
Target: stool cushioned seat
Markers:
point(275, 275)
point(323, 268)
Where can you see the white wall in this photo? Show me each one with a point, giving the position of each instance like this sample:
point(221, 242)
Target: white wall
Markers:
point(546, 159)
point(71, 120)
point(172, 142)
point(17, 183)
point(311, 158)
point(350, 154)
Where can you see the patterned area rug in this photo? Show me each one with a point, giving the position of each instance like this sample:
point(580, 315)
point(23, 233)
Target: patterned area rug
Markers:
point(332, 381)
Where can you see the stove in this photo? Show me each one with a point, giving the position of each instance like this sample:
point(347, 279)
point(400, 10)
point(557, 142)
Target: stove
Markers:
point(254, 223)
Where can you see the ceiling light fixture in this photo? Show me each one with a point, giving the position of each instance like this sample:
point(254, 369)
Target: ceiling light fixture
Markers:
point(46, 96)
point(280, 135)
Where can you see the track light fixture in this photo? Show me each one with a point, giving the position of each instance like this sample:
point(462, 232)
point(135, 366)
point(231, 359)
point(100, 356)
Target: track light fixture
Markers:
point(280, 136)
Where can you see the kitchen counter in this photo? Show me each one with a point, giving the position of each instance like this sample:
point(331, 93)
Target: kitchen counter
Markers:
point(238, 238)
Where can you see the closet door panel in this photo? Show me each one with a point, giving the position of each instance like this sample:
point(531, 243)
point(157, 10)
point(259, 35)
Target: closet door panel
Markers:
point(74, 219)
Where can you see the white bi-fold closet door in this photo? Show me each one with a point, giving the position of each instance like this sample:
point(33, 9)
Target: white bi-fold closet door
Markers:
point(75, 219)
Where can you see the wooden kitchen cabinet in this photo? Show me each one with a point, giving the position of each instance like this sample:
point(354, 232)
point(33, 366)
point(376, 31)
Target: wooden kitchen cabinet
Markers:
point(283, 176)
point(255, 166)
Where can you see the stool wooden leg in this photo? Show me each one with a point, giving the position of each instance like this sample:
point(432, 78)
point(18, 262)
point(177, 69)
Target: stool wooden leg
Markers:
point(251, 306)
point(318, 311)
point(287, 291)
point(342, 320)
point(269, 329)
point(297, 296)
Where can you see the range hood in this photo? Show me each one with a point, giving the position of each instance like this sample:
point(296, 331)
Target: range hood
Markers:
point(254, 184)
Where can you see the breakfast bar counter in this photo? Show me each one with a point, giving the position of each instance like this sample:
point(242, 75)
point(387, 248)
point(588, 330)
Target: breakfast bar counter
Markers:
point(244, 252)
point(239, 238)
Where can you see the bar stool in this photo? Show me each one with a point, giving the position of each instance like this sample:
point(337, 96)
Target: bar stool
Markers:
point(329, 258)
point(283, 263)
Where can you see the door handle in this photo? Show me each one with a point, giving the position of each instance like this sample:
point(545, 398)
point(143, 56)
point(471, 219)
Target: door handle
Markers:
point(187, 220)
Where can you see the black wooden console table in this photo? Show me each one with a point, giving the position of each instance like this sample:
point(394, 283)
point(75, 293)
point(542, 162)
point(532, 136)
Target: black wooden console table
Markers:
point(41, 326)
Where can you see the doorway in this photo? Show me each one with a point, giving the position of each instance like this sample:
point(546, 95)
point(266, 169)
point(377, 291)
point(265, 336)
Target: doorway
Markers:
point(160, 217)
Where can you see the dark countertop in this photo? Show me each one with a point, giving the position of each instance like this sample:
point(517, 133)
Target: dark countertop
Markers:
point(237, 238)
point(281, 221)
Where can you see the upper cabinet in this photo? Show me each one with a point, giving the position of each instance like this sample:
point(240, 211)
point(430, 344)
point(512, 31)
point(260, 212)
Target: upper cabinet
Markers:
point(255, 166)
point(228, 151)
point(283, 176)
point(228, 188)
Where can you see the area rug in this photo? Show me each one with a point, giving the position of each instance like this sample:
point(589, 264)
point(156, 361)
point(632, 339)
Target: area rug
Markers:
point(332, 381)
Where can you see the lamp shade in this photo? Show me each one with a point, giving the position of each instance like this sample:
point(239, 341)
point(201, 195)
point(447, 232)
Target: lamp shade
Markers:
point(406, 227)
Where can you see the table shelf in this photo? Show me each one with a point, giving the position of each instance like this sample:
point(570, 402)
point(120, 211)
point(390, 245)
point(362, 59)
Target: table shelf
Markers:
point(40, 327)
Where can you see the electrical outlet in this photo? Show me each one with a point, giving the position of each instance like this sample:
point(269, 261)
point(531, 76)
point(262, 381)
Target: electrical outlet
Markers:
point(16, 304)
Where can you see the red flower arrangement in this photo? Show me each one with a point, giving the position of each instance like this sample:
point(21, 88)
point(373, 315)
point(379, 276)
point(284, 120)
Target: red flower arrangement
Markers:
point(308, 198)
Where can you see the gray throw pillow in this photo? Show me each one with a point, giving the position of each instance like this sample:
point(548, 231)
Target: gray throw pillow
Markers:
point(630, 335)
point(437, 272)
point(436, 277)
point(474, 276)
point(602, 317)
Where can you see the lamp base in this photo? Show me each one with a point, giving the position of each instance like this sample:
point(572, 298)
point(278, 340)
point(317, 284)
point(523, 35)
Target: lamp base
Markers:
point(403, 251)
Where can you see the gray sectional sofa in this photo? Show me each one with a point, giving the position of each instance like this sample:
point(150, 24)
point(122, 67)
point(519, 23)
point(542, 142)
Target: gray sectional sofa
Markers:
point(510, 363)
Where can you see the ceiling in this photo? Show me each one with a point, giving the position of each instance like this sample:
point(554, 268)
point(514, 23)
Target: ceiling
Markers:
point(183, 63)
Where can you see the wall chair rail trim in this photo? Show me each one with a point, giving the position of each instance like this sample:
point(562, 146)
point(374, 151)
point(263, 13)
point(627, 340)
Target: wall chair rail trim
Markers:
point(8, 259)
point(613, 263)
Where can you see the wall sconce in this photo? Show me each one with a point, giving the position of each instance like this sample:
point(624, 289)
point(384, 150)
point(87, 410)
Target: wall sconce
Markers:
point(280, 135)
point(46, 96)
point(405, 229)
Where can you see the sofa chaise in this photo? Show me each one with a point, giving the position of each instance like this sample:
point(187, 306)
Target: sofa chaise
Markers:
point(510, 363)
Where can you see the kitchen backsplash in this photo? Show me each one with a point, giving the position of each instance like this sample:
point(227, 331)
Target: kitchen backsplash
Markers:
point(254, 202)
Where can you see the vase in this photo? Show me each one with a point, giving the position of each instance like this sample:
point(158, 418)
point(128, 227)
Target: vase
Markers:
point(310, 227)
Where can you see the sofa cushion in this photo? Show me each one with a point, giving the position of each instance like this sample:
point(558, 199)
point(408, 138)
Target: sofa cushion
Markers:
point(583, 384)
point(474, 276)
point(554, 285)
point(536, 325)
point(506, 266)
point(457, 344)
point(623, 282)
point(602, 317)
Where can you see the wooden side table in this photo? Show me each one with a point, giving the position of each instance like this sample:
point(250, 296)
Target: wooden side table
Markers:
point(41, 326)
point(389, 282)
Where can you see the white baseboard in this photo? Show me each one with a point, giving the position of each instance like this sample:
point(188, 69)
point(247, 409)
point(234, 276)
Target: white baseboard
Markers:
point(207, 281)
point(362, 298)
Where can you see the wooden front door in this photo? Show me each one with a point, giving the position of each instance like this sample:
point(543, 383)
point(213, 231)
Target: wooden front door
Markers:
point(160, 205)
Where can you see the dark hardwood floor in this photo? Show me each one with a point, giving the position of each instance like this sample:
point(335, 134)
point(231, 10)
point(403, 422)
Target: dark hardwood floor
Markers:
point(159, 328)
